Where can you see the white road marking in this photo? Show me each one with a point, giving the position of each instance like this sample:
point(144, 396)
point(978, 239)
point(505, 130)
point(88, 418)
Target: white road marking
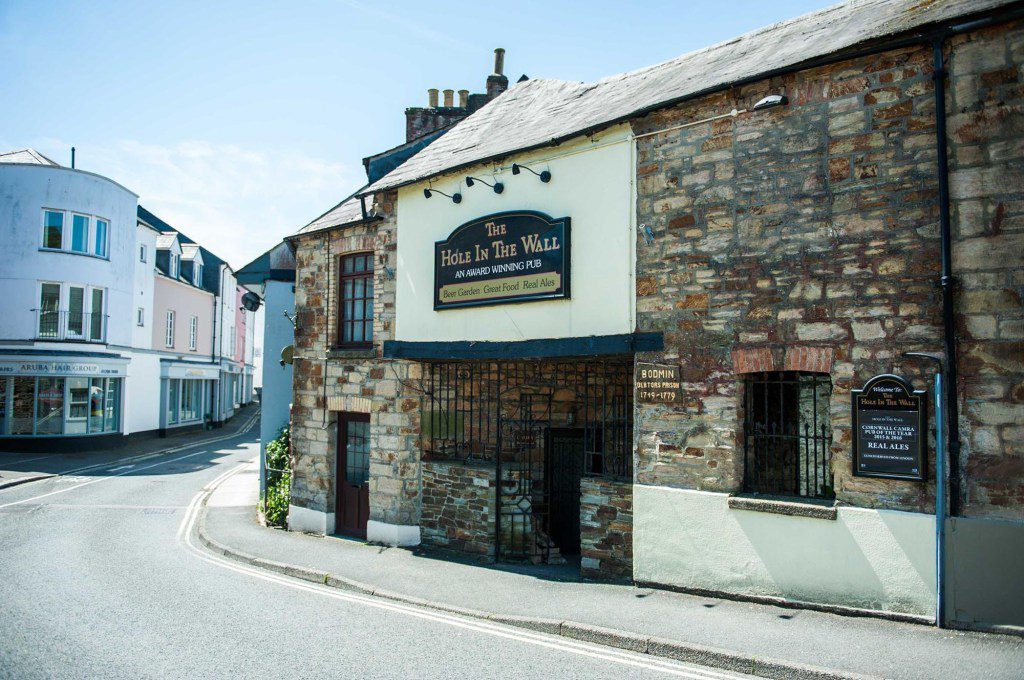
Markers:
point(121, 467)
point(26, 460)
point(253, 419)
point(121, 474)
point(187, 529)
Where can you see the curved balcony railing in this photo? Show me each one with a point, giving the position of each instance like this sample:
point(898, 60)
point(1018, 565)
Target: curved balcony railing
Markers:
point(59, 324)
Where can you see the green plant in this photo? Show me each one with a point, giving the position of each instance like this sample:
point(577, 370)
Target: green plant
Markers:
point(279, 477)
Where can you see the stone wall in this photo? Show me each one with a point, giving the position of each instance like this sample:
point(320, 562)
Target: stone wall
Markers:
point(606, 529)
point(356, 380)
point(805, 237)
point(986, 141)
point(458, 507)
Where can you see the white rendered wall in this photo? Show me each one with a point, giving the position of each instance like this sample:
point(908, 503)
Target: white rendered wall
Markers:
point(593, 188)
point(24, 191)
point(870, 559)
point(142, 393)
point(142, 336)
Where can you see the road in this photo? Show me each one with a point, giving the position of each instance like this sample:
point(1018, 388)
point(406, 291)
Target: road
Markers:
point(100, 577)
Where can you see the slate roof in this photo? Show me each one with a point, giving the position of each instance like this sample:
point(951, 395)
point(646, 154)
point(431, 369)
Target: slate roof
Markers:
point(27, 157)
point(211, 263)
point(348, 211)
point(538, 113)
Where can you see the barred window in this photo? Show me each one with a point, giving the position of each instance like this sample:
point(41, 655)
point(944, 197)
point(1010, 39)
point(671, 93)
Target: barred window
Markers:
point(786, 434)
point(355, 300)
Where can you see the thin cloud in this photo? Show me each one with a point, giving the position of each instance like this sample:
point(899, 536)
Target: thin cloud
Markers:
point(428, 34)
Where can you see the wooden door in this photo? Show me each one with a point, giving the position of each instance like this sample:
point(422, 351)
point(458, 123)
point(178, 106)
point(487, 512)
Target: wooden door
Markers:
point(353, 497)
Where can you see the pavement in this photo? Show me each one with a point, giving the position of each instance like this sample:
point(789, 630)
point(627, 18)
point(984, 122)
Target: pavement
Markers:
point(22, 467)
point(103, 575)
point(767, 640)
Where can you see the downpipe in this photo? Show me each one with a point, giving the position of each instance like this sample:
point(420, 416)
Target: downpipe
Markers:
point(947, 282)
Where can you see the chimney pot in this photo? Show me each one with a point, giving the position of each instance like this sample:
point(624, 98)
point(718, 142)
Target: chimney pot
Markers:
point(432, 97)
point(448, 98)
point(464, 99)
point(499, 61)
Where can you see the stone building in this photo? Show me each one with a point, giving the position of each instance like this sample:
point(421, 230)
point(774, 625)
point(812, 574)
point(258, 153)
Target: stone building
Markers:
point(627, 320)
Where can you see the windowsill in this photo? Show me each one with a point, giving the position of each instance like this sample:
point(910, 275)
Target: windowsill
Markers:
point(105, 258)
point(784, 505)
point(351, 353)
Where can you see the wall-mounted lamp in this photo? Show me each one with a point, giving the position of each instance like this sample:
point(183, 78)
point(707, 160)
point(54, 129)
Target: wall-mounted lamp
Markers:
point(544, 175)
point(771, 101)
point(497, 186)
point(456, 197)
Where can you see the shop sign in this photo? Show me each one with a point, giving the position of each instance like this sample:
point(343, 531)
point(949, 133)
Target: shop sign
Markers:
point(657, 384)
point(501, 258)
point(889, 429)
point(60, 368)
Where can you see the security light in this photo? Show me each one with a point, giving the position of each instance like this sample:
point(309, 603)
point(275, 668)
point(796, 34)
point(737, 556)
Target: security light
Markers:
point(544, 175)
point(456, 197)
point(771, 101)
point(497, 186)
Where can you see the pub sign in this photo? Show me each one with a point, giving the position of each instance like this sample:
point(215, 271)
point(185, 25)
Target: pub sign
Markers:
point(506, 257)
point(889, 429)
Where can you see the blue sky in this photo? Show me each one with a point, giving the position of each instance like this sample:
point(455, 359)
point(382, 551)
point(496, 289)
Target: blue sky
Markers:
point(239, 122)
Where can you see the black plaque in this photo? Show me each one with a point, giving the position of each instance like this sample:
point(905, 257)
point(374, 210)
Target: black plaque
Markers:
point(505, 257)
point(657, 384)
point(890, 432)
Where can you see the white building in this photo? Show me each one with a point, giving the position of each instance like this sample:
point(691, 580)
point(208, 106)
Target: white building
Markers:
point(77, 284)
point(272, 277)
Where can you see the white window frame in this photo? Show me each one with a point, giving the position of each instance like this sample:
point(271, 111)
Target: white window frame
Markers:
point(193, 332)
point(63, 229)
point(169, 329)
point(198, 274)
point(140, 317)
point(173, 265)
point(71, 237)
point(95, 238)
point(142, 253)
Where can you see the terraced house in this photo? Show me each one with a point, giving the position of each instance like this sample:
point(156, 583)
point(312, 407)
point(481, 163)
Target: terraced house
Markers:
point(628, 322)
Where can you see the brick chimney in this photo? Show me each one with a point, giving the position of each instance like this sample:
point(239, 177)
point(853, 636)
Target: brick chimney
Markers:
point(420, 121)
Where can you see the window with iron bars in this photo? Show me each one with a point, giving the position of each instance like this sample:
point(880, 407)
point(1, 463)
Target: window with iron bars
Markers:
point(787, 436)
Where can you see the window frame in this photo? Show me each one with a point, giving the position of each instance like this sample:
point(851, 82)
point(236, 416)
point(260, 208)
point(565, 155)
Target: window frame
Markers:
point(63, 224)
point(85, 239)
point(173, 265)
point(169, 329)
point(367, 320)
point(143, 253)
point(140, 317)
point(193, 333)
point(97, 221)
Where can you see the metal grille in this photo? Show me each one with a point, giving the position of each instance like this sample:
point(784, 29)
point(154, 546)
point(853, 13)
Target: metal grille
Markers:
point(543, 424)
point(786, 435)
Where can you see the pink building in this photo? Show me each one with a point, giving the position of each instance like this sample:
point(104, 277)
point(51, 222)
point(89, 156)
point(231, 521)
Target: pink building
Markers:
point(183, 334)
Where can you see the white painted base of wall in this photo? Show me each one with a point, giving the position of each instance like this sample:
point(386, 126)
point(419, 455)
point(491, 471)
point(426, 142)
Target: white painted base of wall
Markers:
point(401, 535)
point(312, 521)
point(881, 560)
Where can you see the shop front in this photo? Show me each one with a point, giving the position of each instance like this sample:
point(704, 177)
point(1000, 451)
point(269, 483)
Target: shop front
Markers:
point(187, 392)
point(53, 400)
